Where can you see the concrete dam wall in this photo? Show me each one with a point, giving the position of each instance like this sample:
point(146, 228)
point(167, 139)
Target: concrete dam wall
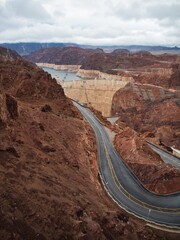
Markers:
point(97, 93)
point(96, 89)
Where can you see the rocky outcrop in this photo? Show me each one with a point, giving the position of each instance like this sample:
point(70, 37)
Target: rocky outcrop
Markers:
point(122, 52)
point(106, 62)
point(8, 55)
point(147, 166)
point(3, 114)
point(148, 108)
point(160, 77)
point(167, 77)
point(175, 76)
point(142, 67)
point(61, 55)
point(12, 107)
point(151, 113)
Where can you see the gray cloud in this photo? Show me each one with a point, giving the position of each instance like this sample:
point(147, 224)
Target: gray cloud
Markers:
point(27, 9)
point(91, 22)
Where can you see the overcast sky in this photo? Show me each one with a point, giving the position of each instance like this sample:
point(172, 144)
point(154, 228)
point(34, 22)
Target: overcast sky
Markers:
point(97, 22)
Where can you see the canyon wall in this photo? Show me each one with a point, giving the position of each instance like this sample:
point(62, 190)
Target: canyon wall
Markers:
point(49, 187)
point(148, 112)
point(101, 75)
point(149, 109)
point(153, 173)
point(69, 68)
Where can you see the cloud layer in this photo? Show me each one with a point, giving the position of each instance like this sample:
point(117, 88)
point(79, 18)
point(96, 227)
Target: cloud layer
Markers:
point(102, 22)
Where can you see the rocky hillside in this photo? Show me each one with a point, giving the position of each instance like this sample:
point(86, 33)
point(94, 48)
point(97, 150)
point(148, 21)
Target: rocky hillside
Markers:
point(148, 112)
point(161, 70)
point(118, 59)
point(48, 166)
point(147, 166)
point(62, 55)
point(8, 55)
point(166, 77)
point(148, 108)
point(92, 59)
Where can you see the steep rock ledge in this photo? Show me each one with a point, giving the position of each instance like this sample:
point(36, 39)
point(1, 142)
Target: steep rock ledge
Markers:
point(147, 166)
point(149, 109)
point(148, 112)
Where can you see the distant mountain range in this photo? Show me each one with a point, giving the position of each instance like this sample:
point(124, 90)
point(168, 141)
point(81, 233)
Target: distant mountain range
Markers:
point(25, 48)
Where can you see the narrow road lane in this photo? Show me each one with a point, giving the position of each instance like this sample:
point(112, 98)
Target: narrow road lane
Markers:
point(124, 187)
point(167, 157)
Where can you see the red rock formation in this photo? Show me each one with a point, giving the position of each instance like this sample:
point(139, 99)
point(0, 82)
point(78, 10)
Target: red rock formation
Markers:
point(3, 114)
point(8, 55)
point(154, 113)
point(147, 166)
point(167, 77)
point(62, 55)
point(48, 168)
point(147, 108)
point(161, 70)
point(174, 80)
point(106, 62)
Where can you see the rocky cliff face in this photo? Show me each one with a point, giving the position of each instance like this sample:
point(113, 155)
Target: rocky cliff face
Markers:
point(3, 114)
point(164, 77)
point(105, 62)
point(61, 55)
point(147, 166)
point(148, 108)
point(151, 113)
point(175, 77)
point(143, 67)
point(48, 169)
point(8, 55)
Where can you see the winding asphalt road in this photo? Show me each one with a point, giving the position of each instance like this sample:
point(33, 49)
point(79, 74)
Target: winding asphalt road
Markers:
point(125, 189)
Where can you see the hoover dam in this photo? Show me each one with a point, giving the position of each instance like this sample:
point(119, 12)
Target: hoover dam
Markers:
point(95, 89)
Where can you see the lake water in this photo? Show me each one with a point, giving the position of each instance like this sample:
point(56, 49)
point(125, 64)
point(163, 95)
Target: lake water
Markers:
point(63, 75)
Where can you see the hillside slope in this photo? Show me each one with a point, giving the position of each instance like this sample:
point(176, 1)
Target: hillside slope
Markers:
point(151, 113)
point(49, 187)
point(61, 55)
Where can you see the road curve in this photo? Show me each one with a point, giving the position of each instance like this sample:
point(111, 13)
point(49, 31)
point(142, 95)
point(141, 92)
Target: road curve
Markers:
point(125, 189)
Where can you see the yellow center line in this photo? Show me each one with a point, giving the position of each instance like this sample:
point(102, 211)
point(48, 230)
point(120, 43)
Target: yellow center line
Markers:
point(131, 197)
